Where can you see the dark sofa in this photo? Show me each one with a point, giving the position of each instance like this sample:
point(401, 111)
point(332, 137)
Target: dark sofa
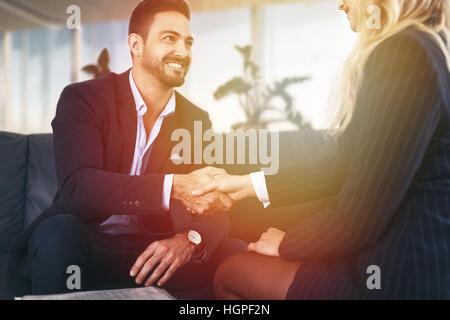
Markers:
point(28, 185)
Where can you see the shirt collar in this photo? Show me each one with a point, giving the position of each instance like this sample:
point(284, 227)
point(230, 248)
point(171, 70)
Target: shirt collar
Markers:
point(141, 107)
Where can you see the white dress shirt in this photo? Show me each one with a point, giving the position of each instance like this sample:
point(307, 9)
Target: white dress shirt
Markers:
point(131, 224)
point(259, 184)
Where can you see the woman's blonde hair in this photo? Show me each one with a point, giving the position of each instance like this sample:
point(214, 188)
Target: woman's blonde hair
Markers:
point(430, 16)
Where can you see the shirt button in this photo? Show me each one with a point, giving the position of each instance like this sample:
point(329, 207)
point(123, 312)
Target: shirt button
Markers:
point(137, 204)
point(125, 204)
point(131, 204)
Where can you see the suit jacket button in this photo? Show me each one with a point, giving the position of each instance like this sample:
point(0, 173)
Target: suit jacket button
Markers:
point(125, 204)
point(137, 204)
point(131, 204)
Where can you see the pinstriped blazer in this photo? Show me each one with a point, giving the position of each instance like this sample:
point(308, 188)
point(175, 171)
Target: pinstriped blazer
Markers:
point(391, 175)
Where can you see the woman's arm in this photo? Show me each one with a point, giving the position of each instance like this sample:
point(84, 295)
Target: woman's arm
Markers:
point(292, 185)
point(307, 182)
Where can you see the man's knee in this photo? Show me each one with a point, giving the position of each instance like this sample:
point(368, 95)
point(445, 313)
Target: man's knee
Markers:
point(59, 235)
point(57, 244)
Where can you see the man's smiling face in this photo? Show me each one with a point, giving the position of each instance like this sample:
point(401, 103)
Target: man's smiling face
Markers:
point(168, 48)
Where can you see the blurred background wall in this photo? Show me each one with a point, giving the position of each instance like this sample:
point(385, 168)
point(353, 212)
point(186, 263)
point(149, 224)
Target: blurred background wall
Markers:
point(291, 38)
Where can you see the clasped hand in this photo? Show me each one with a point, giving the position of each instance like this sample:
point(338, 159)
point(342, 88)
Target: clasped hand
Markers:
point(211, 190)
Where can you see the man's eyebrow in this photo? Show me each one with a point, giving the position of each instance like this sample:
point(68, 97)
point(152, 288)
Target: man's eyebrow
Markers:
point(176, 34)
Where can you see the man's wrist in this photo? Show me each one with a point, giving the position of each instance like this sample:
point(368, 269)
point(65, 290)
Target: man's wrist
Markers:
point(184, 237)
point(177, 186)
point(199, 247)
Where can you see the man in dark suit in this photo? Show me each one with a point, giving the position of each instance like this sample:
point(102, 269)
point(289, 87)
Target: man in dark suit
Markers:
point(120, 213)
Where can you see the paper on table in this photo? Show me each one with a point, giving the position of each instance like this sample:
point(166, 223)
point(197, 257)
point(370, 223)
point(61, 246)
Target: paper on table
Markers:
point(149, 293)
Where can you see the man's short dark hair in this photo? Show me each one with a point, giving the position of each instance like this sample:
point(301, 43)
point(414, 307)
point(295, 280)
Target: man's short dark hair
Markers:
point(143, 14)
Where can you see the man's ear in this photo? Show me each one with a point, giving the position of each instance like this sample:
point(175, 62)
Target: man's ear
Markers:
point(136, 44)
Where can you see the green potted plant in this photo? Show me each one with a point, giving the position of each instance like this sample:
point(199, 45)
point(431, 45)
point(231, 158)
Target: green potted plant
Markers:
point(256, 99)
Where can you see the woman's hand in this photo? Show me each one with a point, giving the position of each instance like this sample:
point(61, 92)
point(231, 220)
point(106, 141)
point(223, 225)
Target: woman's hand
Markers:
point(269, 243)
point(237, 187)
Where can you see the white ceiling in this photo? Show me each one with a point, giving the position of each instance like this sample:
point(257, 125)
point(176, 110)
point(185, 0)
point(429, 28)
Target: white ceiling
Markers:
point(28, 14)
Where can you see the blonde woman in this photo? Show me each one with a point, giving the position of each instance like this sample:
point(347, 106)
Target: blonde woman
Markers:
point(387, 236)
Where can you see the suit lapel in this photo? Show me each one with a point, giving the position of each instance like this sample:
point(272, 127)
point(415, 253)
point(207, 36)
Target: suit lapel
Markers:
point(127, 119)
point(163, 144)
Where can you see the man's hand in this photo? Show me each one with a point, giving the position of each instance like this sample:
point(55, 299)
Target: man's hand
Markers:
point(269, 243)
point(208, 203)
point(162, 258)
point(237, 187)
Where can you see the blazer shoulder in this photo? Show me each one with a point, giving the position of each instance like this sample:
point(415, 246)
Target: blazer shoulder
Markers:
point(87, 100)
point(405, 49)
point(95, 88)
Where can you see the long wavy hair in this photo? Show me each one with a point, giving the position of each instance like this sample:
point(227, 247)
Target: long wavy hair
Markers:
point(430, 16)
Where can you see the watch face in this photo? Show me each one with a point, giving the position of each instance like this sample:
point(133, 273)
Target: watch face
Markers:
point(195, 237)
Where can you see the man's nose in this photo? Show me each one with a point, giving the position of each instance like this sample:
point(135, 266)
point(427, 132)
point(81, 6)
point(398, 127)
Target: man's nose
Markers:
point(181, 50)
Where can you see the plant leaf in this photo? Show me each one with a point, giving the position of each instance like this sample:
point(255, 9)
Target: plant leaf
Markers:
point(103, 59)
point(91, 69)
point(236, 85)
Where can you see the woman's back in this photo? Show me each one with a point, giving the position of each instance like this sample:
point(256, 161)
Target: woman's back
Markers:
point(415, 246)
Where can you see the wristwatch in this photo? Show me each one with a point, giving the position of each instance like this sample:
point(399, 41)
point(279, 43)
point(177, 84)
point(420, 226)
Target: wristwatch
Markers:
point(194, 237)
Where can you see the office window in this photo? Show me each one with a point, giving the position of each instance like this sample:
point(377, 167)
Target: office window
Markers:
point(309, 39)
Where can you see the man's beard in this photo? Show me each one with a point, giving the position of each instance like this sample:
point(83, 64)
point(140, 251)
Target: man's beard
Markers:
point(157, 68)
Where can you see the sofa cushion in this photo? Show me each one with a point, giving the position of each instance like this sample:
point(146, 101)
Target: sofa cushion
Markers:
point(41, 176)
point(13, 160)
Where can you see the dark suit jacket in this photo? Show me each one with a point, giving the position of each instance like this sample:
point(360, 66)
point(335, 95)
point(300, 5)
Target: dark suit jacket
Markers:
point(94, 139)
point(392, 178)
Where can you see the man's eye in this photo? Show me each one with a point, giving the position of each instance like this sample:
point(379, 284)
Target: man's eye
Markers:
point(169, 38)
point(189, 44)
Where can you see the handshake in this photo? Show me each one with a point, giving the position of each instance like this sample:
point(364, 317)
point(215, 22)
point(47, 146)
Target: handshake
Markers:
point(211, 190)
